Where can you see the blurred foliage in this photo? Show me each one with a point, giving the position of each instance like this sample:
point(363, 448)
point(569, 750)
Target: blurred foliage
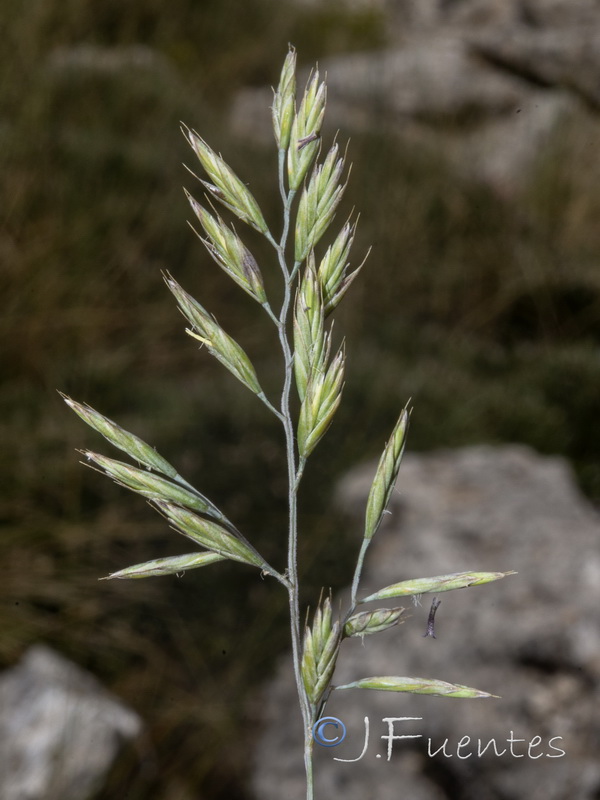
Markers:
point(486, 312)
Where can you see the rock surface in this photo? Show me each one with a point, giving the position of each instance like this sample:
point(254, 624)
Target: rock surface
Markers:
point(60, 731)
point(532, 638)
point(487, 82)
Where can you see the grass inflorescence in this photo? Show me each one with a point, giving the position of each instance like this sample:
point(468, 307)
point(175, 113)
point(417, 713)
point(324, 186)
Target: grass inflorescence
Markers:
point(314, 278)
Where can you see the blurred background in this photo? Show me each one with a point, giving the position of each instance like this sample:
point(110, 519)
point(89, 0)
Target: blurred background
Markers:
point(480, 300)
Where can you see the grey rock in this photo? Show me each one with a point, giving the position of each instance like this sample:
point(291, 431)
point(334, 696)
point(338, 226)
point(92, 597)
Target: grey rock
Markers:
point(552, 58)
point(60, 731)
point(409, 15)
point(532, 638)
point(485, 82)
point(429, 77)
point(417, 14)
point(91, 59)
point(559, 13)
point(351, 6)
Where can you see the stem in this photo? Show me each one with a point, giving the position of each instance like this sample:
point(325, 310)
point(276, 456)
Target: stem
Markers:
point(308, 765)
point(294, 474)
point(270, 406)
point(281, 172)
point(273, 316)
point(357, 573)
point(300, 472)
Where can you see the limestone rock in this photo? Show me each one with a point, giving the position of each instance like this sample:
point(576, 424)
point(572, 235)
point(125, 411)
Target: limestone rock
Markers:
point(60, 731)
point(485, 82)
point(549, 58)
